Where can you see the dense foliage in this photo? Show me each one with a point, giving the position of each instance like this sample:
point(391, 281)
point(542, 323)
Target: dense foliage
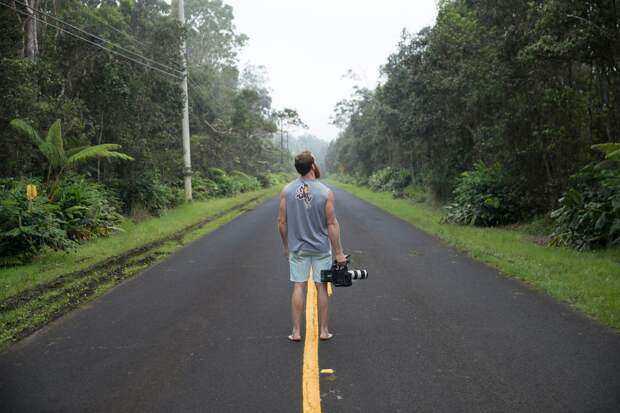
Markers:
point(482, 197)
point(86, 209)
point(27, 227)
point(103, 98)
point(390, 179)
point(102, 132)
point(530, 85)
point(589, 212)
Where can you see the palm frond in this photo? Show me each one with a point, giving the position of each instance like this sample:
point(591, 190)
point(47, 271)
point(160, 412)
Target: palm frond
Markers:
point(27, 130)
point(105, 150)
point(611, 150)
point(606, 147)
point(73, 151)
point(55, 144)
point(50, 153)
point(615, 155)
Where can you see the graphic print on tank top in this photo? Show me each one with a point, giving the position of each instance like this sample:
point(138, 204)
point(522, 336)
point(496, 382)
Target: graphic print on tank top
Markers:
point(303, 194)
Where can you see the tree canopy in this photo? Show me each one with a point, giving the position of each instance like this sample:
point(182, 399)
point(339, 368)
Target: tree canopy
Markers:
point(530, 85)
point(109, 70)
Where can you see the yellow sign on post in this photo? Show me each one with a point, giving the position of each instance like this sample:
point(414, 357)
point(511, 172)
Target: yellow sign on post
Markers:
point(31, 194)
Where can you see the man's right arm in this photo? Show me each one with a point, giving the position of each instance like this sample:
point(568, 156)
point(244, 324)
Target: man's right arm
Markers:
point(333, 229)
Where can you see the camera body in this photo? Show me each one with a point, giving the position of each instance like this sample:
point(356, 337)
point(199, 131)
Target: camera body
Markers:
point(341, 276)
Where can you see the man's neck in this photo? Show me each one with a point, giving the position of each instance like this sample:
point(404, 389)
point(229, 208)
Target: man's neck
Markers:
point(310, 176)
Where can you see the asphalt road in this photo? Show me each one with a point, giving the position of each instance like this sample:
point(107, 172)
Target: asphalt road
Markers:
point(205, 331)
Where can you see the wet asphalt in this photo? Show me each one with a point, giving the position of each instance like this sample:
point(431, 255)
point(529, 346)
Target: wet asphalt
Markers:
point(205, 330)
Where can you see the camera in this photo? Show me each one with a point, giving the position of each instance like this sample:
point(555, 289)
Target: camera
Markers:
point(341, 276)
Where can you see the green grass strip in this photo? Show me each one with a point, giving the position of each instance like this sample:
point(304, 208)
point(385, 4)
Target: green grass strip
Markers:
point(589, 281)
point(134, 235)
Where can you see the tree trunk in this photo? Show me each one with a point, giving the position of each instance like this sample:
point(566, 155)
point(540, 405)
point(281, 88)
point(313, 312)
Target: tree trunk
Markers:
point(31, 43)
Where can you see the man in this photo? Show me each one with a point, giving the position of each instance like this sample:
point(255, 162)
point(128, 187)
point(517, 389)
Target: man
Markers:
point(307, 224)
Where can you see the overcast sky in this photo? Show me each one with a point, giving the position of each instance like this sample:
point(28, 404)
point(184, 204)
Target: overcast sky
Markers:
point(308, 45)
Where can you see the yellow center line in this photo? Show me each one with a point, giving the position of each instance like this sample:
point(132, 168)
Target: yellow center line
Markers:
point(311, 388)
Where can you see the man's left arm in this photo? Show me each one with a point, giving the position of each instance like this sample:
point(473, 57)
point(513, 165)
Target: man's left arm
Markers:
point(282, 223)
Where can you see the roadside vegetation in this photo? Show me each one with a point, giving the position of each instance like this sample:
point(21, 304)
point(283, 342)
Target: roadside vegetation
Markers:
point(587, 280)
point(92, 135)
point(500, 122)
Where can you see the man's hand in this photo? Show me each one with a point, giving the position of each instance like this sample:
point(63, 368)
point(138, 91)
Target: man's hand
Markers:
point(341, 259)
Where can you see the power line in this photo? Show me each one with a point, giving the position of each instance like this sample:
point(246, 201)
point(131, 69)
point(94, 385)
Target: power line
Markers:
point(91, 42)
point(194, 83)
point(98, 37)
point(125, 34)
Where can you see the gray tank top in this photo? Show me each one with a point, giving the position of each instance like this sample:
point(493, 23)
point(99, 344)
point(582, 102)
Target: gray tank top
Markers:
point(305, 215)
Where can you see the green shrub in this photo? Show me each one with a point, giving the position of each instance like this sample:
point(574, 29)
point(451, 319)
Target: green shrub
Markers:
point(278, 179)
point(284, 178)
point(264, 180)
point(215, 173)
point(230, 185)
point(86, 208)
point(245, 183)
point(25, 230)
point(415, 193)
point(379, 179)
point(203, 188)
point(589, 213)
point(482, 197)
point(399, 180)
point(388, 179)
point(155, 195)
point(360, 180)
point(226, 186)
point(345, 179)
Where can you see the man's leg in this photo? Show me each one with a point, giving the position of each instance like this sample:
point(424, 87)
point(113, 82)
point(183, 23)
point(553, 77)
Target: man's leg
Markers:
point(297, 307)
point(323, 310)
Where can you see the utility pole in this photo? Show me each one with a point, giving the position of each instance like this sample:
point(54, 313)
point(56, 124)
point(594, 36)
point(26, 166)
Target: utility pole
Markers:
point(187, 159)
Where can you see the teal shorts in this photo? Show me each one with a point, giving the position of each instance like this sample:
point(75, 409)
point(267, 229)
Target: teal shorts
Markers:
point(301, 262)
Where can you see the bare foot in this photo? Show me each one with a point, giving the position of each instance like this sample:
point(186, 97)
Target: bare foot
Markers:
point(295, 336)
point(325, 335)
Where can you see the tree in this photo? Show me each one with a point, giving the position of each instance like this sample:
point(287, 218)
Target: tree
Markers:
point(212, 38)
point(286, 118)
point(530, 85)
point(306, 141)
point(60, 161)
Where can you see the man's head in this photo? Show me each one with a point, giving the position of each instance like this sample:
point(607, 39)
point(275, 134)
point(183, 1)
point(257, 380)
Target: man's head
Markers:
point(304, 163)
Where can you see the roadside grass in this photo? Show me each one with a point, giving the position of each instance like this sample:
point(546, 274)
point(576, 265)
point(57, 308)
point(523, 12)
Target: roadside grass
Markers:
point(589, 281)
point(57, 291)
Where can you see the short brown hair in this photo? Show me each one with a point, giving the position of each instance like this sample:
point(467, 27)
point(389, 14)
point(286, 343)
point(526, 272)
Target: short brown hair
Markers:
point(303, 162)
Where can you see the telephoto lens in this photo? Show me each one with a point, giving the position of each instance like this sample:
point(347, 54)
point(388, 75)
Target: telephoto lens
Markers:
point(358, 274)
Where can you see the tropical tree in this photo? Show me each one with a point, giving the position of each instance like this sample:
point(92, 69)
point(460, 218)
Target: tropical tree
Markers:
point(60, 161)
